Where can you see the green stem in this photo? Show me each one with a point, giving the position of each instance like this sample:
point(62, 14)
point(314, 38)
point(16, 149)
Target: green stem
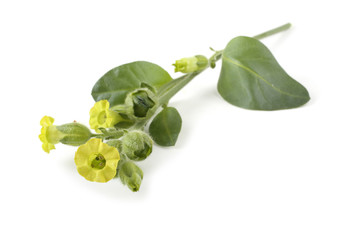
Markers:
point(109, 134)
point(214, 58)
point(273, 31)
point(169, 90)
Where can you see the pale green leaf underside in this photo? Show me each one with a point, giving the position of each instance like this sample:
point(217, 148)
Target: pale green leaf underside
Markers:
point(251, 78)
point(119, 81)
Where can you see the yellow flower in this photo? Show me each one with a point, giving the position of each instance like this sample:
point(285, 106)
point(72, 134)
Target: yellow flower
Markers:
point(49, 134)
point(96, 161)
point(102, 117)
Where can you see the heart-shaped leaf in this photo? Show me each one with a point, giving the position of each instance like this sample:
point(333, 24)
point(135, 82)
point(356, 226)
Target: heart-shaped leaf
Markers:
point(166, 126)
point(252, 78)
point(119, 81)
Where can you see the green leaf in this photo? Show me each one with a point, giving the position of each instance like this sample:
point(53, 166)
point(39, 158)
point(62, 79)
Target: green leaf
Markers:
point(119, 81)
point(166, 126)
point(252, 78)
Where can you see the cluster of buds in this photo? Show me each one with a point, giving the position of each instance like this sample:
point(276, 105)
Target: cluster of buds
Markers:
point(112, 150)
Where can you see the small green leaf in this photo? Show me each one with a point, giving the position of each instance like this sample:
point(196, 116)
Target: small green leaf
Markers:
point(166, 126)
point(119, 81)
point(252, 78)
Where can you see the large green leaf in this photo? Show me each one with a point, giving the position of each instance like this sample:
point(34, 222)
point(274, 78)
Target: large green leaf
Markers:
point(117, 82)
point(166, 126)
point(252, 78)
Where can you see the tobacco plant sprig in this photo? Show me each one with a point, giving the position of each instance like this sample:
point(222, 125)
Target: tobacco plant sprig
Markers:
point(131, 96)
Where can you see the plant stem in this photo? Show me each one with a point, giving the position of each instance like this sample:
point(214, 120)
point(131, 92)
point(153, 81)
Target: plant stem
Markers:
point(113, 133)
point(273, 31)
point(169, 90)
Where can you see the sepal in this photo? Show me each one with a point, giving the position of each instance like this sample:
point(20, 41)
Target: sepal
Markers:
point(140, 103)
point(74, 134)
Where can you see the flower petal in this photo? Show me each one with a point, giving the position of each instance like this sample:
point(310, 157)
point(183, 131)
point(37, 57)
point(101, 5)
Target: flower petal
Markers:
point(102, 116)
point(103, 104)
point(46, 121)
point(94, 144)
point(42, 136)
point(47, 147)
point(87, 173)
point(110, 153)
point(82, 155)
point(112, 164)
point(106, 174)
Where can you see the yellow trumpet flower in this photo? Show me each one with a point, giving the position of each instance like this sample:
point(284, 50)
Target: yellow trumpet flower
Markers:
point(102, 117)
point(49, 134)
point(96, 161)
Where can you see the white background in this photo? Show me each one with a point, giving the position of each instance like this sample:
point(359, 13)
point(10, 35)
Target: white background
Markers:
point(234, 173)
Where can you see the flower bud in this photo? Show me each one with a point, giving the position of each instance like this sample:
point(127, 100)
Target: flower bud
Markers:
point(136, 145)
point(74, 134)
point(191, 64)
point(141, 101)
point(130, 175)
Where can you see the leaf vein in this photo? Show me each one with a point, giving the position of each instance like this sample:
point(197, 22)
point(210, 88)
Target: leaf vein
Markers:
point(260, 77)
point(165, 122)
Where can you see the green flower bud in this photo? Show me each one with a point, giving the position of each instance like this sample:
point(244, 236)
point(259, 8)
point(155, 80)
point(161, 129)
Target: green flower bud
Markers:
point(74, 134)
point(136, 145)
point(130, 175)
point(191, 64)
point(141, 101)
